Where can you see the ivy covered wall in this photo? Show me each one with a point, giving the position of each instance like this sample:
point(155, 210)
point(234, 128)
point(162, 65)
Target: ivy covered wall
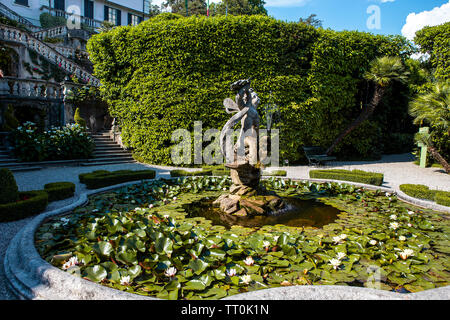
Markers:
point(170, 71)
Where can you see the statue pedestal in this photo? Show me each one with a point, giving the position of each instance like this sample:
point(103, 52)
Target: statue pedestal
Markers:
point(246, 196)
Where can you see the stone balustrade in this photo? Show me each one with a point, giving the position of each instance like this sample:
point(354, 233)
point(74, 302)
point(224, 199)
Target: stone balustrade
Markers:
point(51, 32)
point(30, 88)
point(7, 12)
point(11, 34)
point(69, 52)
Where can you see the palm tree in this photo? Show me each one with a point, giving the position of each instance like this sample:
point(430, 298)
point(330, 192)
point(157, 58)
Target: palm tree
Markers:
point(433, 108)
point(382, 72)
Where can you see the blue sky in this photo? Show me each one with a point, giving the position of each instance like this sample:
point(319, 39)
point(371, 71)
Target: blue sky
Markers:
point(352, 14)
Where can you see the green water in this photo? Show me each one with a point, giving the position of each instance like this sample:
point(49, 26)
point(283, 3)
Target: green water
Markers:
point(299, 213)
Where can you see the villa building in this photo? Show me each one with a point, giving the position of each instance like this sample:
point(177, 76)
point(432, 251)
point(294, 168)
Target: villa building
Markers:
point(91, 12)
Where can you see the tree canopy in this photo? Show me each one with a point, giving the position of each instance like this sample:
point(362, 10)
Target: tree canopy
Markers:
point(435, 41)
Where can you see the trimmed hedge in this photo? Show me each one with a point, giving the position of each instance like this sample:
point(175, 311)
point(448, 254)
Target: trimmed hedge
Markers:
point(442, 198)
point(276, 173)
point(9, 191)
point(423, 192)
point(102, 178)
point(182, 173)
point(418, 191)
point(346, 175)
point(59, 190)
point(37, 202)
point(164, 74)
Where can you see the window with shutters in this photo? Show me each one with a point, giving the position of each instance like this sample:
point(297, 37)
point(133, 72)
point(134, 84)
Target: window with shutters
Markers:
point(22, 2)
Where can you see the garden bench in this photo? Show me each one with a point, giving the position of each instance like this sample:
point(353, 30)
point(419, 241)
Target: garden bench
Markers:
point(317, 156)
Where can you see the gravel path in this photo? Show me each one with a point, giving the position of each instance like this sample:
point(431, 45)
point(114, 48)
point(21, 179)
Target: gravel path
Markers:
point(397, 169)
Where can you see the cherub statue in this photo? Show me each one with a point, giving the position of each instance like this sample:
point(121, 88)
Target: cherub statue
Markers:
point(246, 105)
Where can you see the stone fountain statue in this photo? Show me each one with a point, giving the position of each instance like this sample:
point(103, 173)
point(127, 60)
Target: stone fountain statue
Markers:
point(247, 196)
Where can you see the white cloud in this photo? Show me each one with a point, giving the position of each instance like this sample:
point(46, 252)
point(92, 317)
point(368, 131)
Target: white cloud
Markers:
point(383, 1)
point(416, 21)
point(285, 3)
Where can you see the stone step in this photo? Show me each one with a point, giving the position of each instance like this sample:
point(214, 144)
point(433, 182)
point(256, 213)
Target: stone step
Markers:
point(106, 144)
point(20, 169)
point(113, 156)
point(7, 160)
point(110, 158)
point(109, 152)
point(87, 164)
point(108, 147)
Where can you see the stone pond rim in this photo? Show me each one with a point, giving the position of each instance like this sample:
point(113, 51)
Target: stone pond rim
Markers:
point(31, 277)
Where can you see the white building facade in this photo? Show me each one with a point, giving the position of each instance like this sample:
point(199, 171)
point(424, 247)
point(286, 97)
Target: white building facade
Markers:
point(91, 12)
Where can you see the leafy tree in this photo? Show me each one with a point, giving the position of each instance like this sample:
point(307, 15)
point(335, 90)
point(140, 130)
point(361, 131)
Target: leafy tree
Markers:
point(435, 41)
point(194, 6)
point(239, 7)
point(433, 108)
point(312, 21)
point(382, 72)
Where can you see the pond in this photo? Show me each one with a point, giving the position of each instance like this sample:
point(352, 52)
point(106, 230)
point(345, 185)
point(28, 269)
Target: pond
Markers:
point(162, 239)
point(298, 213)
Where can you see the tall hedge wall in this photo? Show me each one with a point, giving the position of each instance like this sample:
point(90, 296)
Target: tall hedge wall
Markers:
point(170, 71)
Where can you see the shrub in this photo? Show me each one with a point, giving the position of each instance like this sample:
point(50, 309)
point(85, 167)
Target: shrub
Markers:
point(29, 204)
point(59, 190)
point(49, 21)
point(346, 175)
point(11, 121)
point(443, 198)
point(423, 192)
point(181, 173)
point(58, 143)
point(78, 119)
point(418, 191)
point(8, 187)
point(217, 170)
point(100, 179)
point(164, 74)
point(276, 173)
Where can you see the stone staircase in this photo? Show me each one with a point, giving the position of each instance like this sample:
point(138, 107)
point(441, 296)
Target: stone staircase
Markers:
point(107, 151)
point(15, 35)
point(7, 161)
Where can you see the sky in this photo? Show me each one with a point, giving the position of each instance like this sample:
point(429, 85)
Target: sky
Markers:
point(403, 17)
point(397, 17)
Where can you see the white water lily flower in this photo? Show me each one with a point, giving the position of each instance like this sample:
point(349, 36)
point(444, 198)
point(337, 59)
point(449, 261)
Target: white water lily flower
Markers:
point(249, 261)
point(150, 205)
point(405, 254)
point(246, 279)
point(335, 263)
point(125, 281)
point(231, 272)
point(393, 217)
point(337, 240)
point(402, 238)
point(174, 198)
point(341, 255)
point(394, 225)
point(276, 238)
point(410, 212)
point(387, 194)
point(373, 242)
point(166, 216)
point(73, 261)
point(266, 244)
point(170, 272)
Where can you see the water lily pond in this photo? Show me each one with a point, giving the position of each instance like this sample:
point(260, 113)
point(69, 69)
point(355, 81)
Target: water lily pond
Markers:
point(140, 239)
